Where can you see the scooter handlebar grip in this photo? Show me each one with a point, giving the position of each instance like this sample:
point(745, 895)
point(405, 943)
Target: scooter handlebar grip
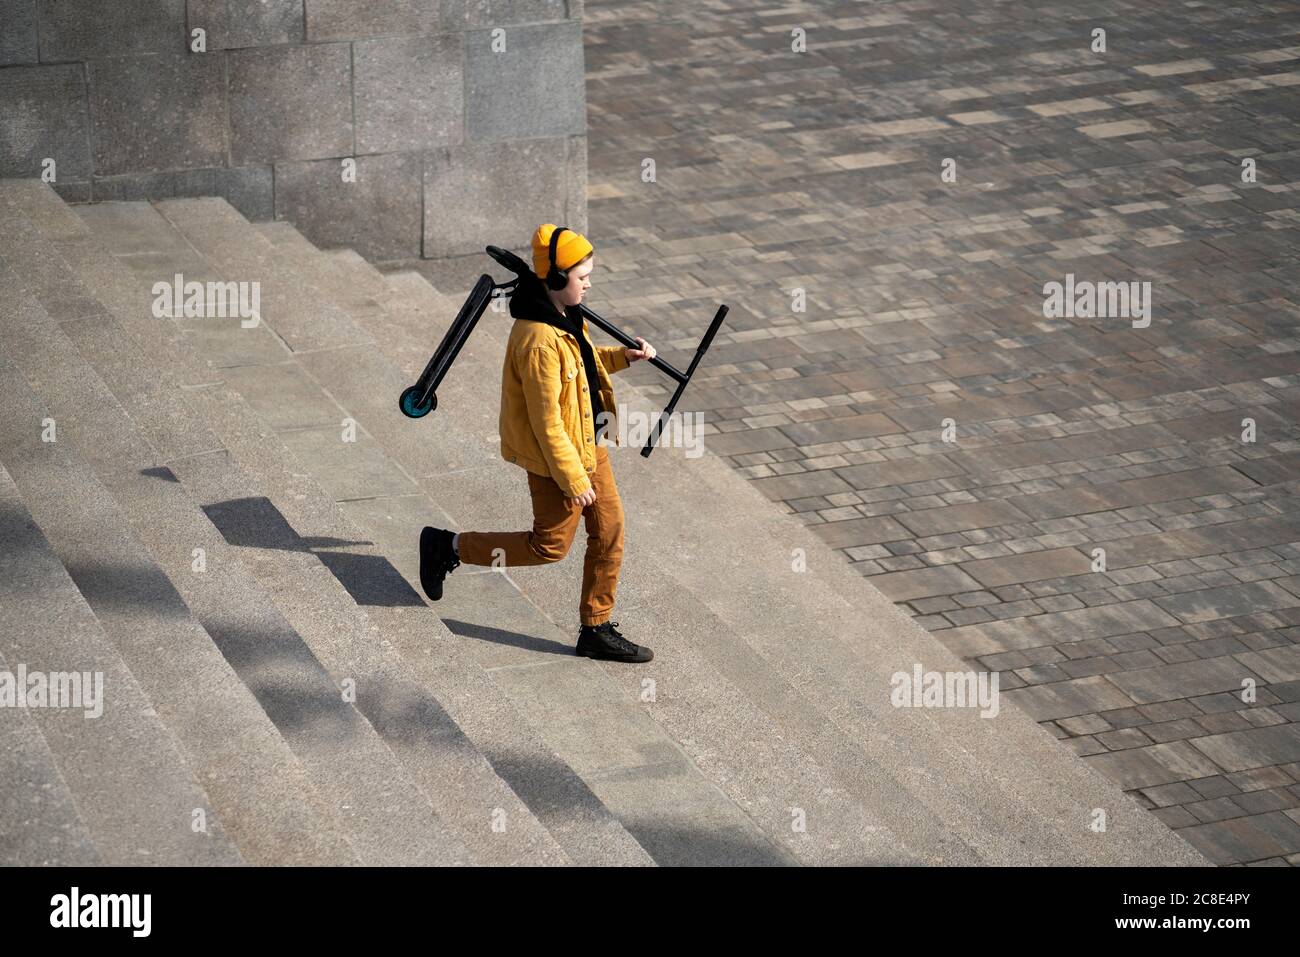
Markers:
point(508, 259)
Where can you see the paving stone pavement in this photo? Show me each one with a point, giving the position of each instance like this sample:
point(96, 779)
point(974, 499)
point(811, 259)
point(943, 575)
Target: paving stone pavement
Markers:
point(777, 171)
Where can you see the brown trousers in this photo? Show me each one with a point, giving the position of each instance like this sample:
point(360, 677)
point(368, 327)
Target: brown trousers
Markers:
point(554, 524)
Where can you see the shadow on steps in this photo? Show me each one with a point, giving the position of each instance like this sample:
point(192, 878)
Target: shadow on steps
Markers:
point(500, 636)
point(256, 523)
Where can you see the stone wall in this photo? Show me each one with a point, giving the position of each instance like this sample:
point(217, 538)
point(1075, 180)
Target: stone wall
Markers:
point(456, 144)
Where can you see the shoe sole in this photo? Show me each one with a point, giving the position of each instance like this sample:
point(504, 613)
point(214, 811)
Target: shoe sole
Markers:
point(621, 660)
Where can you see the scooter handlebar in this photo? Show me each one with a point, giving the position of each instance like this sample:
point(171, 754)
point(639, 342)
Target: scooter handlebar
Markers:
point(508, 259)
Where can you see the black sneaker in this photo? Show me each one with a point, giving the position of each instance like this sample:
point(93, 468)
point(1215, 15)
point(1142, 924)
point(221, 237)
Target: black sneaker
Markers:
point(604, 642)
point(437, 558)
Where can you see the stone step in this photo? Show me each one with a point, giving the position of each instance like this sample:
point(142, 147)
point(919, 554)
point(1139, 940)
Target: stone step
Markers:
point(41, 825)
point(124, 506)
point(235, 608)
point(354, 295)
point(1039, 811)
point(304, 320)
point(416, 726)
point(124, 772)
point(233, 627)
point(623, 755)
point(260, 787)
point(269, 799)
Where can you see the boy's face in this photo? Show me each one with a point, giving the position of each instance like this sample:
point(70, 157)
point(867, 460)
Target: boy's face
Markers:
point(579, 283)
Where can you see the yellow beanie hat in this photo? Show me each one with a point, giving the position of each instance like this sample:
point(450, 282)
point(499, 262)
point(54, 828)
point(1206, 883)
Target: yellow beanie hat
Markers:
point(571, 249)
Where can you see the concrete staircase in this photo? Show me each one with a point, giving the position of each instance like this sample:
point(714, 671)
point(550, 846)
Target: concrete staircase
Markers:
point(225, 527)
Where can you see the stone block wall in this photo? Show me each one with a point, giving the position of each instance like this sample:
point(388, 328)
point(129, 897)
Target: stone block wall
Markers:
point(465, 119)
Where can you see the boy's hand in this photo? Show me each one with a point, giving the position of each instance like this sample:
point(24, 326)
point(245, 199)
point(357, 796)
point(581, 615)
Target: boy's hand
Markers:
point(646, 351)
point(585, 499)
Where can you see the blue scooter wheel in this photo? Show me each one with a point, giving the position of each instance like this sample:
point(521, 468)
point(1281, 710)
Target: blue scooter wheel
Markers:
point(409, 403)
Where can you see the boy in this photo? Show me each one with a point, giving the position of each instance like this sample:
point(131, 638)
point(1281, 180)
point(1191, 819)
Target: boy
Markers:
point(557, 404)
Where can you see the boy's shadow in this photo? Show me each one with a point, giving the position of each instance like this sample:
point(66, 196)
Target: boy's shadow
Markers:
point(500, 636)
point(255, 522)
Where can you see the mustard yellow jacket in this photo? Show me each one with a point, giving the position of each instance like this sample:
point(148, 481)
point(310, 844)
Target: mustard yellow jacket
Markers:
point(546, 421)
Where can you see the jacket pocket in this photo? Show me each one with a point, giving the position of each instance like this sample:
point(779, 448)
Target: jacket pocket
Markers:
point(568, 373)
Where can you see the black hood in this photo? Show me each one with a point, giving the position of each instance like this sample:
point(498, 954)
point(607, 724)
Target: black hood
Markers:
point(530, 301)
